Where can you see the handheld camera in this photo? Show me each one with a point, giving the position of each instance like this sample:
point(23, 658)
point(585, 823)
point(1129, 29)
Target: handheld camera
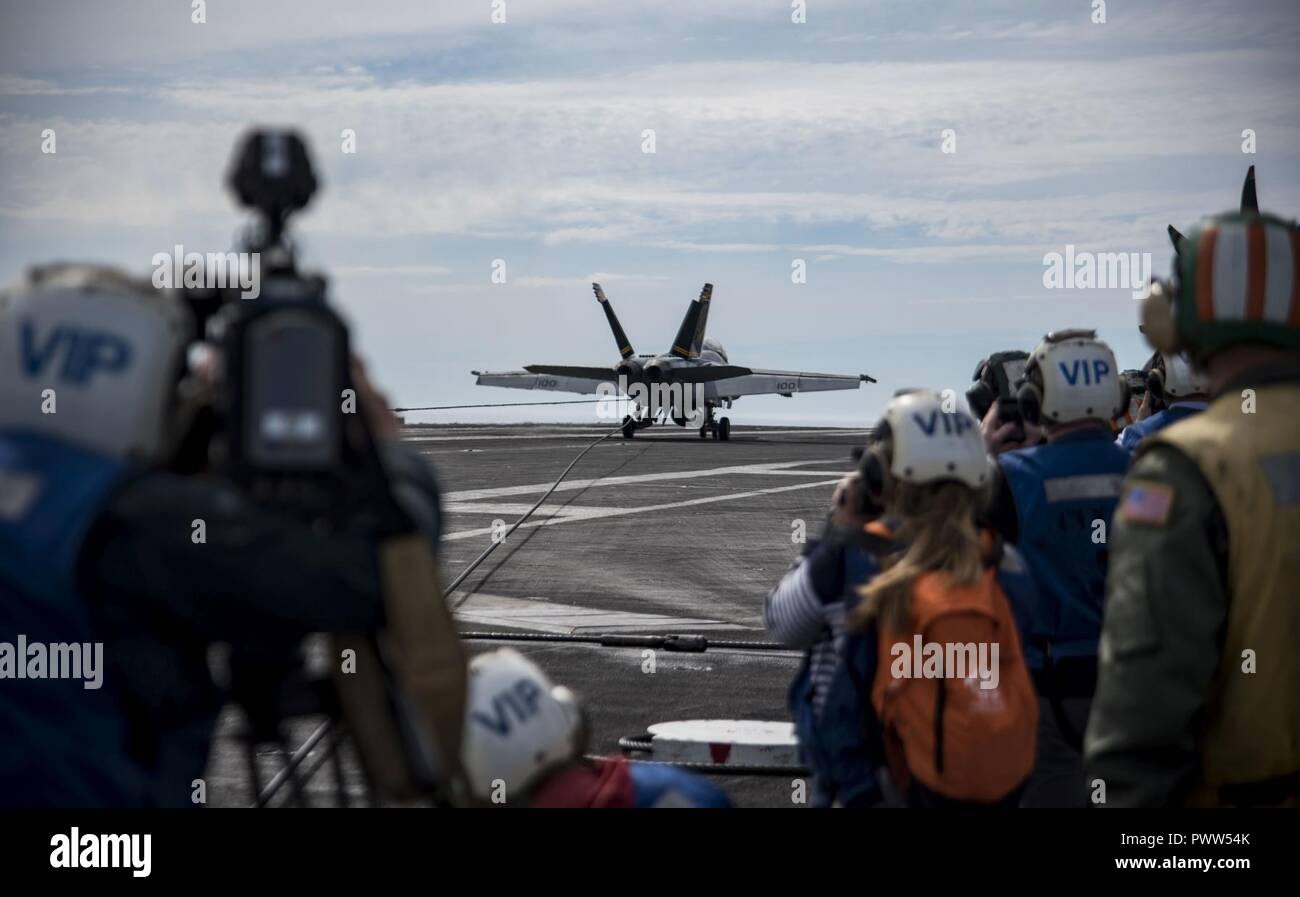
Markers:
point(1137, 387)
point(996, 379)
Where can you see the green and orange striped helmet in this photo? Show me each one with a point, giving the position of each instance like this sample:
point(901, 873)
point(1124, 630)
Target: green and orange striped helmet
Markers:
point(1237, 280)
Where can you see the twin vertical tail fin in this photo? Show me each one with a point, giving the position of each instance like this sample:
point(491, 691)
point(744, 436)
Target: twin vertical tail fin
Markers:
point(624, 344)
point(1249, 199)
point(690, 336)
point(705, 295)
point(1249, 203)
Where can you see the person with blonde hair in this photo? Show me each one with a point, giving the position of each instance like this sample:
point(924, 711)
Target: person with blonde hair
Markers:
point(951, 692)
point(929, 702)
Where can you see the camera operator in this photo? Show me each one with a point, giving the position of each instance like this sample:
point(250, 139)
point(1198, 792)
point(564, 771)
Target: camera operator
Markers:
point(1054, 502)
point(1139, 407)
point(108, 554)
point(132, 516)
point(1180, 390)
point(840, 733)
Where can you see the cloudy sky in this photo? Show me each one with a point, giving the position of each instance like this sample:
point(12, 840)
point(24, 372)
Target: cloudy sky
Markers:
point(774, 141)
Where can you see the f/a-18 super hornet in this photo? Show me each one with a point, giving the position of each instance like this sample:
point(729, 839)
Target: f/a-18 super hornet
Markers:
point(684, 385)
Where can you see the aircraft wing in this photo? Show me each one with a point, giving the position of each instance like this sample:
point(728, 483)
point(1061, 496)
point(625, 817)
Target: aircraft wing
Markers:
point(785, 383)
point(549, 382)
point(708, 373)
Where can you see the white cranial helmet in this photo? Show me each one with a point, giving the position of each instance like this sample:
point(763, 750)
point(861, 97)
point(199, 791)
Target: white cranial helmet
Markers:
point(934, 441)
point(518, 726)
point(1072, 376)
point(91, 357)
point(1179, 379)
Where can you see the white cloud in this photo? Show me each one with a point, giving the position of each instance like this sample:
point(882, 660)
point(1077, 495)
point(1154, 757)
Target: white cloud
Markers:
point(739, 144)
point(774, 141)
point(38, 87)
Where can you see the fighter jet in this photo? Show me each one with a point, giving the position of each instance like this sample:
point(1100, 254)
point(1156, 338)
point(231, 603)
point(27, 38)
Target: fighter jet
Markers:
point(684, 385)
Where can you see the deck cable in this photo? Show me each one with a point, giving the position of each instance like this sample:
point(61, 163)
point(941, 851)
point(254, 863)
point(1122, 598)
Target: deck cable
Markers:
point(628, 745)
point(489, 405)
point(668, 641)
point(498, 542)
point(296, 759)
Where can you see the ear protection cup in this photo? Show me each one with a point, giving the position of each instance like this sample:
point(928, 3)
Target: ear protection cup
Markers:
point(875, 472)
point(1156, 384)
point(577, 713)
point(874, 466)
point(1125, 396)
point(1030, 399)
point(980, 399)
point(1157, 319)
point(1029, 396)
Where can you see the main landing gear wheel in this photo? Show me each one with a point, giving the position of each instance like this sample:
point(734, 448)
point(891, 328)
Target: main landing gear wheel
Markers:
point(629, 426)
point(713, 426)
point(724, 429)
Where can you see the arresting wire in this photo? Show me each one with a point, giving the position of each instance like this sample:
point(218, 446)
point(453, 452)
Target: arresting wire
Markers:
point(490, 405)
point(497, 542)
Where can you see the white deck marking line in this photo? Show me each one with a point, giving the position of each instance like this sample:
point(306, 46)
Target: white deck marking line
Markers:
point(645, 509)
point(570, 485)
point(558, 434)
point(800, 473)
point(514, 510)
point(517, 508)
point(540, 615)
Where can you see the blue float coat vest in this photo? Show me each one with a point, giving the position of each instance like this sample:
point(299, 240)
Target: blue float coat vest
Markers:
point(1061, 490)
point(1134, 433)
point(63, 744)
point(833, 744)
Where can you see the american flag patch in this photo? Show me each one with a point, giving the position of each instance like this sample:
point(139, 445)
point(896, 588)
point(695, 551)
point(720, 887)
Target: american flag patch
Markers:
point(1145, 502)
